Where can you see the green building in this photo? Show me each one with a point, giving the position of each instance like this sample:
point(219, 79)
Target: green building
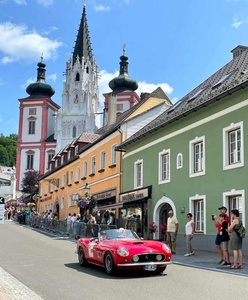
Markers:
point(193, 157)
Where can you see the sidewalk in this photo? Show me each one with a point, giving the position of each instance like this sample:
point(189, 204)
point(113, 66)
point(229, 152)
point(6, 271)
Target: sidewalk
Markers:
point(208, 261)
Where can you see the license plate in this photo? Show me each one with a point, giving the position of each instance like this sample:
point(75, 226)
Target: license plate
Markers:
point(150, 268)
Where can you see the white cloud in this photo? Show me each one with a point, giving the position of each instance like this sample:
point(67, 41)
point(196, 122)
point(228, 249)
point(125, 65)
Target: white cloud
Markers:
point(236, 23)
point(52, 77)
point(105, 78)
point(45, 3)
point(101, 8)
point(21, 2)
point(30, 80)
point(17, 43)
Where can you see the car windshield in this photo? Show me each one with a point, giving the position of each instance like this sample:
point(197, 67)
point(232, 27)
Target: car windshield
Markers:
point(116, 234)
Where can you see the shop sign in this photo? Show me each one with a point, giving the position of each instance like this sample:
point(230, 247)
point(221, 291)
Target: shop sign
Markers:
point(136, 195)
point(105, 195)
point(2, 209)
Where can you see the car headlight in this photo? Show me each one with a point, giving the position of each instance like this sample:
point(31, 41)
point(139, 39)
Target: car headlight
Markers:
point(122, 251)
point(135, 258)
point(166, 248)
point(159, 257)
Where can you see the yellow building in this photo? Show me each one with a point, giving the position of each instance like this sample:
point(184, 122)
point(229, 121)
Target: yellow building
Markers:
point(91, 161)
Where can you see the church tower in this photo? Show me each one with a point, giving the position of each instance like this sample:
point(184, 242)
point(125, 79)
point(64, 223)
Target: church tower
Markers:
point(36, 144)
point(80, 98)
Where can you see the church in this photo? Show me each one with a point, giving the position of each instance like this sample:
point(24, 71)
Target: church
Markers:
point(45, 128)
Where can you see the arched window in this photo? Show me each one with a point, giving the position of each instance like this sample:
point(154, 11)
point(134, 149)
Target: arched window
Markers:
point(77, 77)
point(74, 131)
point(179, 161)
point(87, 70)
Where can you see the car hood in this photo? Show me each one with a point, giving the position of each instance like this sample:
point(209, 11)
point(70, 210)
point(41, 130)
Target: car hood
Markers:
point(142, 246)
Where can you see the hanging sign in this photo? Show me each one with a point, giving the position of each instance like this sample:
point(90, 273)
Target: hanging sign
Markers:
point(2, 209)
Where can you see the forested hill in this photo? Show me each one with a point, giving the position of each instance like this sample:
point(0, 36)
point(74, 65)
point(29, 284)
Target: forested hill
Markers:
point(8, 150)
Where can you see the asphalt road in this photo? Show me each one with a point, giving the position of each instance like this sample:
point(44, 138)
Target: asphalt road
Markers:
point(48, 266)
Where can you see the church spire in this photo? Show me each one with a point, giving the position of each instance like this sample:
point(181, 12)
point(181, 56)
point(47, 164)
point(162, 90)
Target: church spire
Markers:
point(83, 45)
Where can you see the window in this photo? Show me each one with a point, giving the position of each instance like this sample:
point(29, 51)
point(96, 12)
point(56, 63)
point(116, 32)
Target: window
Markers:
point(69, 200)
point(77, 77)
point(56, 163)
point(62, 159)
point(197, 157)
point(69, 154)
point(74, 131)
point(103, 158)
point(31, 127)
point(119, 106)
point(164, 166)
point(85, 168)
point(63, 181)
point(233, 146)
point(93, 165)
point(30, 161)
point(113, 155)
point(76, 150)
point(47, 187)
point(234, 199)
point(51, 187)
point(197, 206)
point(49, 158)
point(62, 203)
point(32, 111)
point(138, 173)
point(70, 178)
point(179, 160)
point(78, 174)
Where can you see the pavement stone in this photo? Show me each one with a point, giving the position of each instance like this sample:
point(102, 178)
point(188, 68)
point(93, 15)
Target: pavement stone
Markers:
point(208, 260)
point(12, 289)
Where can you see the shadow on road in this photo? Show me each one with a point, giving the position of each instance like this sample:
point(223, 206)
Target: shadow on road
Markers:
point(99, 272)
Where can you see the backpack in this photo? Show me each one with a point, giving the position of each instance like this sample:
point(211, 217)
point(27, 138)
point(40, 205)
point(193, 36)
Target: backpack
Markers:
point(241, 232)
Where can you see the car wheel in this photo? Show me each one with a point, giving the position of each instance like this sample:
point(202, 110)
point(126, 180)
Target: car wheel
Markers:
point(160, 270)
point(109, 264)
point(81, 258)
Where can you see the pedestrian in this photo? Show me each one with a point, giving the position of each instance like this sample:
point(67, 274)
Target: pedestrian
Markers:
point(189, 233)
point(111, 220)
point(236, 241)
point(218, 239)
point(225, 239)
point(172, 230)
point(68, 223)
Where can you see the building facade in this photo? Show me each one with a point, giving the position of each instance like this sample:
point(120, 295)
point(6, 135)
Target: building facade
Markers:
point(193, 155)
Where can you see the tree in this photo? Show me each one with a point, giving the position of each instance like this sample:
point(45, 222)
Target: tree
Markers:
point(8, 155)
point(30, 182)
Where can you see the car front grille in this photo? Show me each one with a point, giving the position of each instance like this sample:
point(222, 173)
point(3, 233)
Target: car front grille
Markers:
point(149, 258)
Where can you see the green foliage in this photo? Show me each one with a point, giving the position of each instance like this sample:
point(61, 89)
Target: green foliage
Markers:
point(8, 146)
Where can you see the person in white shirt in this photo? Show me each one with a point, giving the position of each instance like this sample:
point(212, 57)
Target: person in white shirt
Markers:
point(172, 229)
point(189, 233)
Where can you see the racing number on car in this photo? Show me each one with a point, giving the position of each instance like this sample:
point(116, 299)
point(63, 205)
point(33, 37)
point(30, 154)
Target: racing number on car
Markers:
point(90, 249)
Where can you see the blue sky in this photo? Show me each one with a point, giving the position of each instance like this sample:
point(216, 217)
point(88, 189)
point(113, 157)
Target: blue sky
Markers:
point(175, 44)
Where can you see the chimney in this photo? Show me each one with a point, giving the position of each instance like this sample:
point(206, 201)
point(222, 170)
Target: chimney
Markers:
point(238, 50)
point(112, 108)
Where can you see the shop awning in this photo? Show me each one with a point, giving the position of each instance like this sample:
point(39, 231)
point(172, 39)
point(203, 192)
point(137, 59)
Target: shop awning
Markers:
point(110, 206)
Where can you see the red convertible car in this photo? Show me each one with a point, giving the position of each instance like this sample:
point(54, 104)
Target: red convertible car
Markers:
point(122, 249)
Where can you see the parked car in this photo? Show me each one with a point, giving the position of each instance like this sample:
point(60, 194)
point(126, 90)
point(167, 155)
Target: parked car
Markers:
point(122, 249)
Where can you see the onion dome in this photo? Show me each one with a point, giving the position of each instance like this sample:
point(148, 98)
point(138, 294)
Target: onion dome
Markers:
point(123, 82)
point(40, 88)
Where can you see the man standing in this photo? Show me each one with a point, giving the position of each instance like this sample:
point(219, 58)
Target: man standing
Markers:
point(218, 239)
point(172, 229)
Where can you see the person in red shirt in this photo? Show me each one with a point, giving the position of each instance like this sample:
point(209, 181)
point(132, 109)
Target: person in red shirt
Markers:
point(218, 239)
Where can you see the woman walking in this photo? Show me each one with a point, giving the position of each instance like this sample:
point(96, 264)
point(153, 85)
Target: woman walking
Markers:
point(235, 240)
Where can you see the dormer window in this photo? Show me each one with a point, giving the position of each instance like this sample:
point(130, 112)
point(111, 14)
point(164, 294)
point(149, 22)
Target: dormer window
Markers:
point(69, 154)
